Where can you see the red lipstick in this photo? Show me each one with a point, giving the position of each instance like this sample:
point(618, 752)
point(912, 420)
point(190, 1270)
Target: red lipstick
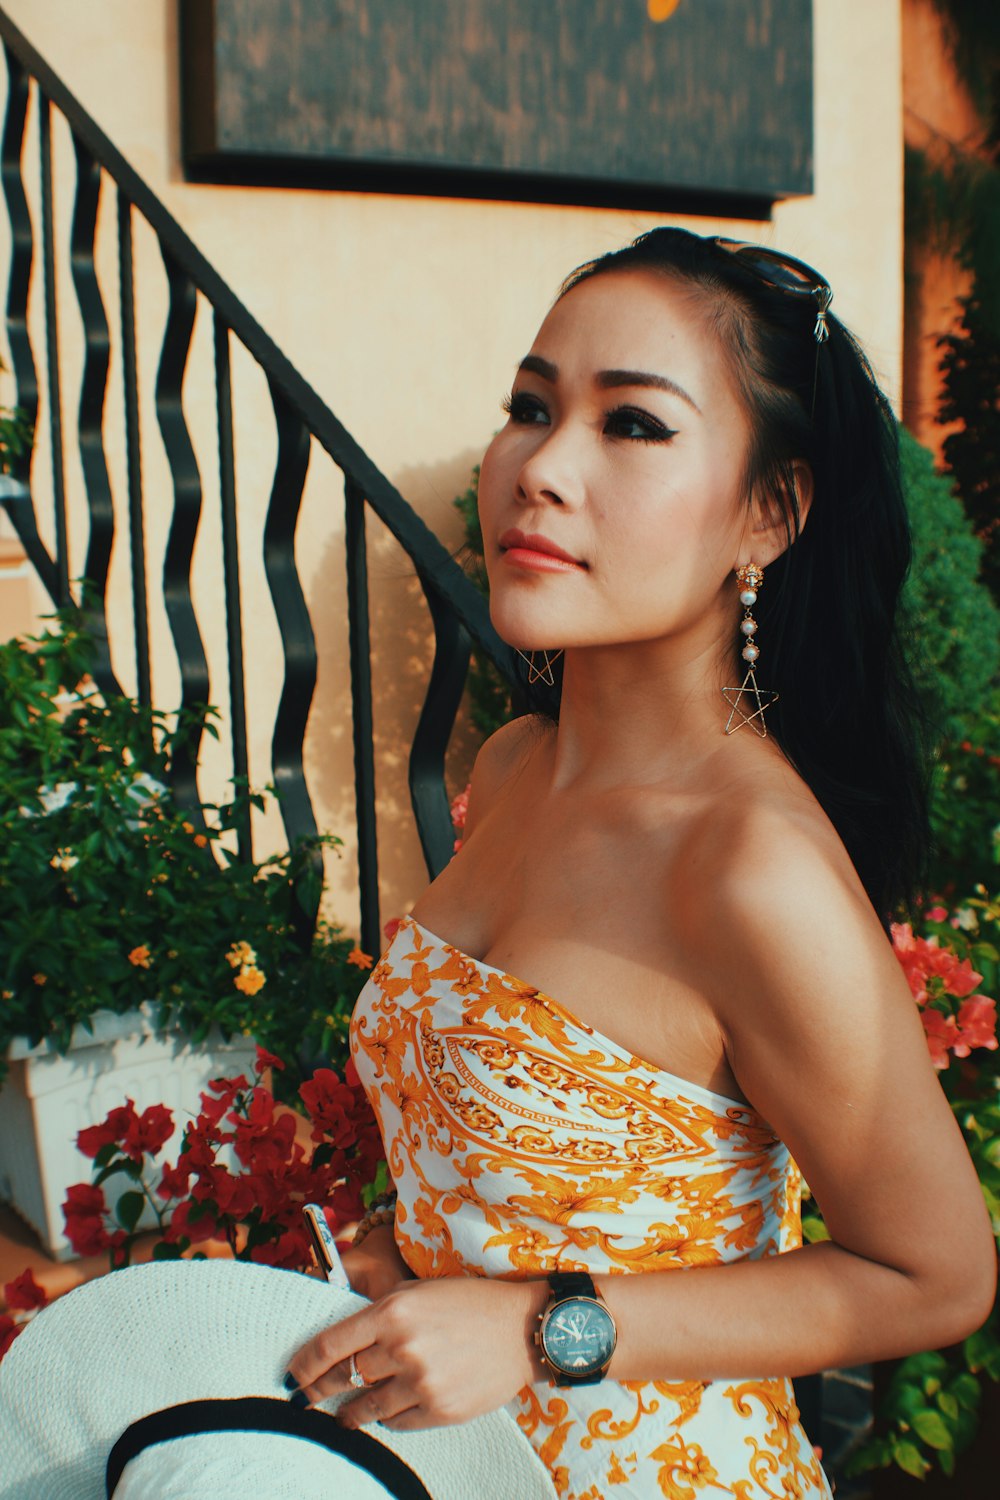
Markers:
point(535, 552)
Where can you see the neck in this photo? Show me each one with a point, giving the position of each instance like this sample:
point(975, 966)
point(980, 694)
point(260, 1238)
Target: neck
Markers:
point(641, 712)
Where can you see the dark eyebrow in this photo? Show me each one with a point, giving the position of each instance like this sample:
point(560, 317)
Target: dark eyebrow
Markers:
point(535, 365)
point(611, 379)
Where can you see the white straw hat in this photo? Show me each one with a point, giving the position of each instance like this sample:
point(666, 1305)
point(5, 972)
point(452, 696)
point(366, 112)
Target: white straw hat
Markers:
point(203, 1339)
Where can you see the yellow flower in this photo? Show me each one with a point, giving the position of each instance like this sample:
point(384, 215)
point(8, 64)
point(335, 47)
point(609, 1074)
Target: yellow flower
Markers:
point(63, 859)
point(250, 979)
point(40, 979)
point(240, 954)
point(360, 959)
point(188, 827)
point(200, 840)
point(140, 957)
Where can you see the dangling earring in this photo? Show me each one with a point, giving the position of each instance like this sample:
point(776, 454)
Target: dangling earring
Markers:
point(749, 577)
point(541, 673)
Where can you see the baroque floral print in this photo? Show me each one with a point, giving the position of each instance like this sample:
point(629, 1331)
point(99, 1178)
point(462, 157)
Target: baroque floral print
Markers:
point(521, 1142)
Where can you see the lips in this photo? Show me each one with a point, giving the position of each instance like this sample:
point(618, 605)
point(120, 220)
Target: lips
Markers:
point(527, 544)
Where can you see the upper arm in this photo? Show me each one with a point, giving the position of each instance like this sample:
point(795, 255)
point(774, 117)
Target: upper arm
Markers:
point(826, 1042)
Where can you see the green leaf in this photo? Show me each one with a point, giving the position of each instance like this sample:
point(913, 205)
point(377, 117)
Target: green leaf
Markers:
point(814, 1230)
point(946, 1401)
point(932, 1429)
point(947, 1461)
point(910, 1459)
point(128, 1210)
point(162, 1250)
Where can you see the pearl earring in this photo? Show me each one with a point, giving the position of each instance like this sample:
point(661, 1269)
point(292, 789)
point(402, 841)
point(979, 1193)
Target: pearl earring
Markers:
point(749, 576)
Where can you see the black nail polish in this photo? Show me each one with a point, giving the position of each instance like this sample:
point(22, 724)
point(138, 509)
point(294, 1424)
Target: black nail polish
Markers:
point(299, 1399)
point(290, 1383)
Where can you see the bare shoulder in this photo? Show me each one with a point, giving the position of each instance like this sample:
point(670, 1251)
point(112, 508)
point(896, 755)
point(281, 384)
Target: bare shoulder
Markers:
point(774, 906)
point(504, 757)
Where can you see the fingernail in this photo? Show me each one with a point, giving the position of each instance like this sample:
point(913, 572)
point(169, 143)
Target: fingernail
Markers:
point(299, 1399)
point(290, 1383)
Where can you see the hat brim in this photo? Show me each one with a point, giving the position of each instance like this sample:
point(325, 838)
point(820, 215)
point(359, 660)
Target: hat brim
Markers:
point(139, 1340)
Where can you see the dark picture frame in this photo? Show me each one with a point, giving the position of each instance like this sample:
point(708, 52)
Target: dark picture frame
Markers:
point(584, 101)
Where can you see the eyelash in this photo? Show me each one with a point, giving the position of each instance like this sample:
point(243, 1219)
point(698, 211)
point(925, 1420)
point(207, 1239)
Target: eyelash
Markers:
point(519, 405)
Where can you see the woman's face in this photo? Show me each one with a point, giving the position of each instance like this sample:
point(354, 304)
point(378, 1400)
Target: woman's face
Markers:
point(624, 449)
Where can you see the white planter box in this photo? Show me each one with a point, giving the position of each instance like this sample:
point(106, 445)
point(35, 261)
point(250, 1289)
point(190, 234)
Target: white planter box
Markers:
point(47, 1098)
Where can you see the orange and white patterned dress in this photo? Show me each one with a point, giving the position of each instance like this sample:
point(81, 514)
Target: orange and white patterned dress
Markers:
point(521, 1142)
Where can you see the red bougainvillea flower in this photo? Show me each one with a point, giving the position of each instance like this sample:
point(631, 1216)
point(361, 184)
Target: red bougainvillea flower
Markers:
point(924, 959)
point(23, 1294)
point(977, 1024)
point(174, 1181)
point(149, 1132)
point(265, 1059)
point(110, 1133)
point(203, 1226)
point(9, 1331)
point(84, 1211)
point(331, 1105)
point(942, 1033)
point(391, 928)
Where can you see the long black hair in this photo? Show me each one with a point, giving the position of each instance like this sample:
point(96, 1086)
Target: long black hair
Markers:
point(847, 716)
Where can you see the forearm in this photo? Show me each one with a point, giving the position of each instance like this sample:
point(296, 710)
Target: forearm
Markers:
point(821, 1307)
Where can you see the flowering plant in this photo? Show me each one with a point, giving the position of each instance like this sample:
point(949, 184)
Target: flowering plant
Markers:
point(22, 1298)
point(242, 1174)
point(112, 895)
point(930, 1409)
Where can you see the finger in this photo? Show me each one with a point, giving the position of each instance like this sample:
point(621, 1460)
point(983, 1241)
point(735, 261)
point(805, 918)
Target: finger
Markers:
point(372, 1364)
point(384, 1403)
point(333, 1346)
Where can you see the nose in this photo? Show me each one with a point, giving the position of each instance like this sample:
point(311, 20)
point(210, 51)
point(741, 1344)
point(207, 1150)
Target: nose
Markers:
point(550, 474)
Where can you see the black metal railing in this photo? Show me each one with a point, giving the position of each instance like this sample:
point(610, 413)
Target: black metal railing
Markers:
point(302, 422)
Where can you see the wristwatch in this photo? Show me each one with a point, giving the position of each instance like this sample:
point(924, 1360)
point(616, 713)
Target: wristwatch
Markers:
point(576, 1333)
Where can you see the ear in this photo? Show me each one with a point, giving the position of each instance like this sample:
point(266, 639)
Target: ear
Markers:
point(767, 535)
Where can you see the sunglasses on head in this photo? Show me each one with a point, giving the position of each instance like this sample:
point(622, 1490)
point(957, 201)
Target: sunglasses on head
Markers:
point(785, 274)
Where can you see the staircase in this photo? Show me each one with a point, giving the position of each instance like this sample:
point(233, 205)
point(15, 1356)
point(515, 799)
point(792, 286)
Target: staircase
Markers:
point(95, 532)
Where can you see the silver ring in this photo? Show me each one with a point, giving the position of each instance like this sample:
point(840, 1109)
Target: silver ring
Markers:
point(355, 1376)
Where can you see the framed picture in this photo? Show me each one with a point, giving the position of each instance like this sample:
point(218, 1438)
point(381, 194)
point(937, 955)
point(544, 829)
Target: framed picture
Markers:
point(586, 101)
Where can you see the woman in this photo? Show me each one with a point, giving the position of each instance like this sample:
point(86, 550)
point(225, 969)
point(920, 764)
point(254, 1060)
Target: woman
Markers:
point(695, 503)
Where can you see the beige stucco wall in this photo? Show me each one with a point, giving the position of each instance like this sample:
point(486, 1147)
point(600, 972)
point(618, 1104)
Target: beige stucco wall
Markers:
point(408, 315)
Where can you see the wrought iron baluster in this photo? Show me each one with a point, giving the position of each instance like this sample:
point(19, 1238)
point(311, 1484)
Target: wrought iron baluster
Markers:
point(184, 522)
point(52, 348)
point(22, 358)
point(428, 794)
point(359, 639)
point(93, 389)
point(231, 571)
point(133, 449)
point(297, 640)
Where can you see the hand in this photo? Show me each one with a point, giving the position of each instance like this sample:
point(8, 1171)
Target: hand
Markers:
point(431, 1352)
point(375, 1266)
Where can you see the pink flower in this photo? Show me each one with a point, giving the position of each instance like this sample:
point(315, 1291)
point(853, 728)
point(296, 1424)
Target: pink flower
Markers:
point(460, 809)
point(977, 1024)
point(942, 1033)
point(936, 914)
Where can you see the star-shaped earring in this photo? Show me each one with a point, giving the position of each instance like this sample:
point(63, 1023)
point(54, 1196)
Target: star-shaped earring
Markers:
point(541, 673)
point(759, 702)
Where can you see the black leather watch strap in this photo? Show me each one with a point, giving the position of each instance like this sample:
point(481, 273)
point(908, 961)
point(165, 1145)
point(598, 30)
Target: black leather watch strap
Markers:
point(572, 1284)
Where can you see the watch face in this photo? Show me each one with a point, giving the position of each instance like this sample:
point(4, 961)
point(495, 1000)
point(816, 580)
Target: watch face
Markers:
point(578, 1336)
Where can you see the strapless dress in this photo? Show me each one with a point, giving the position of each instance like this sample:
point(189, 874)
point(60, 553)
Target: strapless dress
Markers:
point(521, 1141)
